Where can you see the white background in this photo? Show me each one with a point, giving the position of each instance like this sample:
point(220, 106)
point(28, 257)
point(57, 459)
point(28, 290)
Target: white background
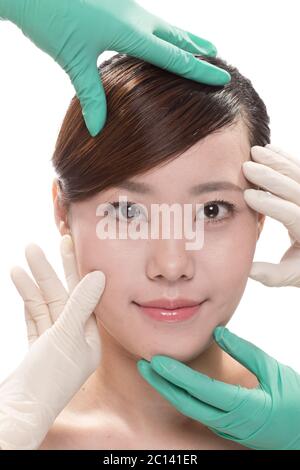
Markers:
point(259, 37)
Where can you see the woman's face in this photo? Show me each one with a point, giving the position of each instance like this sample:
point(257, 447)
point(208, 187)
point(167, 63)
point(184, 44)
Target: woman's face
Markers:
point(148, 269)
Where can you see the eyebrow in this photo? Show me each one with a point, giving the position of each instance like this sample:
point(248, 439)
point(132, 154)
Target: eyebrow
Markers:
point(201, 188)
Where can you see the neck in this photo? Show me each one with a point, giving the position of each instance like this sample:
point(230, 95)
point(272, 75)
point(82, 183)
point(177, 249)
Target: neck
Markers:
point(118, 388)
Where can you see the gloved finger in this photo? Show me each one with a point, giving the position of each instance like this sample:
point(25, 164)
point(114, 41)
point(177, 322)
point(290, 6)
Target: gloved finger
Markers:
point(83, 300)
point(35, 305)
point(248, 354)
point(91, 329)
point(279, 163)
point(213, 392)
point(288, 213)
point(179, 397)
point(276, 275)
point(167, 56)
point(287, 155)
point(281, 185)
point(32, 332)
point(87, 82)
point(69, 262)
point(50, 285)
point(184, 39)
point(73, 278)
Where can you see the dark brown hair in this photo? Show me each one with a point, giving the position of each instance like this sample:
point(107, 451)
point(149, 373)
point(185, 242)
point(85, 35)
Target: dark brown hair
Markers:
point(153, 116)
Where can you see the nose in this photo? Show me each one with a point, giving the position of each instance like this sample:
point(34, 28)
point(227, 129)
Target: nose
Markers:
point(170, 260)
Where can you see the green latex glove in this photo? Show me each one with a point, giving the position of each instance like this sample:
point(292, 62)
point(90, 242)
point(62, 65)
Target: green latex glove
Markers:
point(264, 417)
point(75, 32)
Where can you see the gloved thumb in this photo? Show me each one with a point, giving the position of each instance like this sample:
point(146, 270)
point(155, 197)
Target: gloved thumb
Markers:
point(270, 274)
point(88, 85)
point(248, 354)
point(81, 303)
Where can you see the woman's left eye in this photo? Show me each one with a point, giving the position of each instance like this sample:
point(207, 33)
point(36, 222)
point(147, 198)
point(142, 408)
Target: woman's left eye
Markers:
point(211, 210)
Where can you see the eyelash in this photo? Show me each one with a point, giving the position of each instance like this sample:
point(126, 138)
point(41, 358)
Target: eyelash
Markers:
point(232, 209)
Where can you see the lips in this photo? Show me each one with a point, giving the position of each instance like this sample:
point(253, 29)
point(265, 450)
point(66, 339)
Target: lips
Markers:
point(170, 304)
point(171, 314)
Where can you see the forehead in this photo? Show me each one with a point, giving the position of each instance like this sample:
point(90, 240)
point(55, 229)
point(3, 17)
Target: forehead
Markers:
point(219, 156)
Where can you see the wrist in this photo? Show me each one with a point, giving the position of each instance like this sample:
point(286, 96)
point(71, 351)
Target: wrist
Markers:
point(23, 424)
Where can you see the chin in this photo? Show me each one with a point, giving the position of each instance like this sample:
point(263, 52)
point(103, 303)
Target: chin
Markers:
point(172, 351)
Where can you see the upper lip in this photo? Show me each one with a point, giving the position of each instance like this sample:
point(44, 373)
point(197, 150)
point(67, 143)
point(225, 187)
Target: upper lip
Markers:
point(170, 303)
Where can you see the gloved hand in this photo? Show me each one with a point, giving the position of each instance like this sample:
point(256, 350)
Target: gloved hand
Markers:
point(64, 349)
point(264, 417)
point(76, 32)
point(278, 172)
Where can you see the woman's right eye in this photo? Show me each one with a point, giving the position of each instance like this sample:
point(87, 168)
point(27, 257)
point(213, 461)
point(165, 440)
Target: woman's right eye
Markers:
point(123, 210)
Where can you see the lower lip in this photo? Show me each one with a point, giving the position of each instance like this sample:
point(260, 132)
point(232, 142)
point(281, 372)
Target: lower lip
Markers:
point(170, 316)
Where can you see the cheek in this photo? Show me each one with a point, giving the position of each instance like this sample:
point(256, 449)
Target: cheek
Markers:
point(92, 252)
point(229, 253)
point(86, 250)
point(116, 258)
point(110, 256)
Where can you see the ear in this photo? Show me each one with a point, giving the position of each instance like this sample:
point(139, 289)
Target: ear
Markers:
point(60, 212)
point(260, 223)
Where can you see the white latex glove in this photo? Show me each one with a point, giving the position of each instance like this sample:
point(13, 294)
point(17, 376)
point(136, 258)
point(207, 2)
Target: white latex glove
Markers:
point(64, 348)
point(278, 172)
